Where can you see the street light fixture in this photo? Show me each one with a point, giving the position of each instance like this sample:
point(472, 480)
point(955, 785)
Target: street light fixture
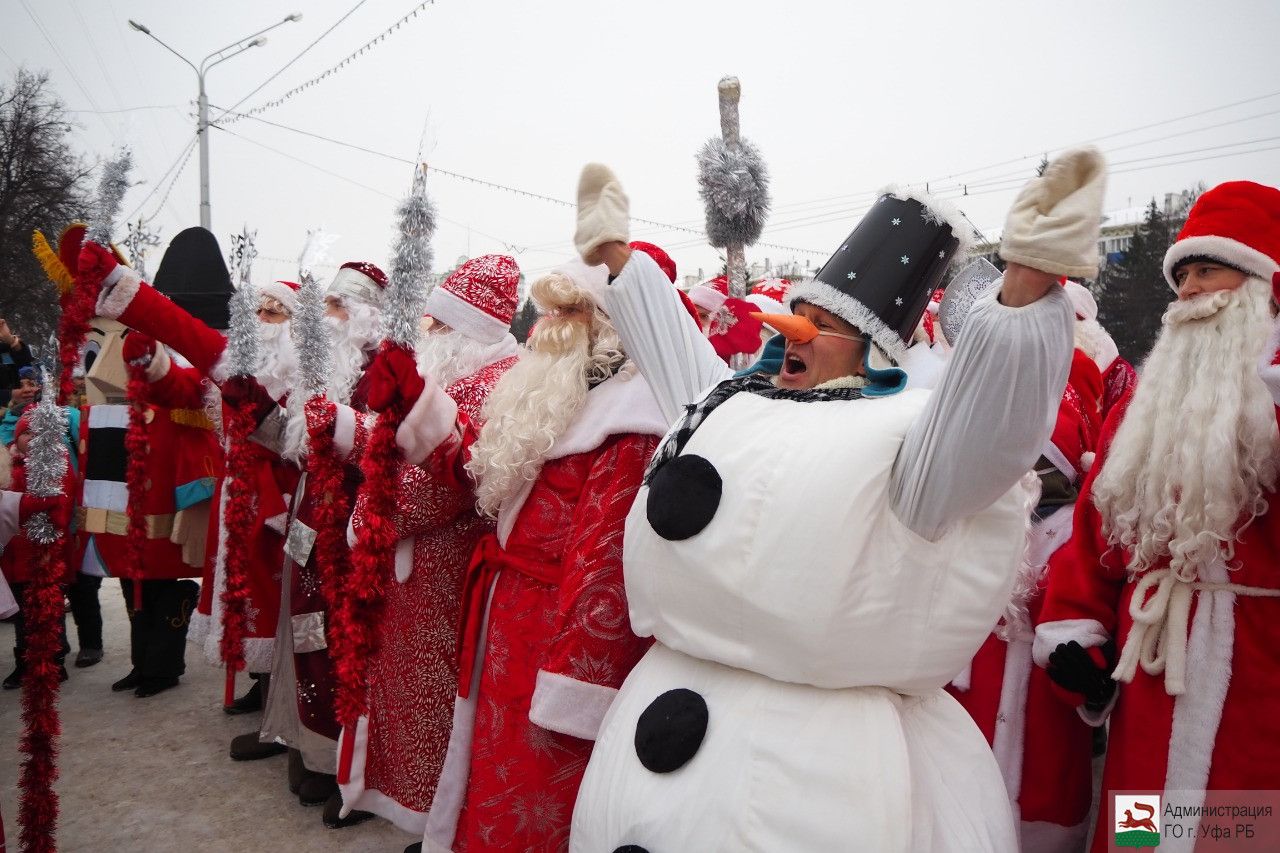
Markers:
point(202, 122)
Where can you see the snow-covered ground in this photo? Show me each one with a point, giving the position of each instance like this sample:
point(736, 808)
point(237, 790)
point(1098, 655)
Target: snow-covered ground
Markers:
point(153, 774)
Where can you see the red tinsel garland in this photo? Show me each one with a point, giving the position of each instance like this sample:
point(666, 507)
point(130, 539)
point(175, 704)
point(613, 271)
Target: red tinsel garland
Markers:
point(78, 308)
point(372, 562)
point(135, 445)
point(332, 511)
point(43, 610)
point(237, 523)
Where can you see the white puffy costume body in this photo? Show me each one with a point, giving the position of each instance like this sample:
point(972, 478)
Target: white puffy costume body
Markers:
point(856, 555)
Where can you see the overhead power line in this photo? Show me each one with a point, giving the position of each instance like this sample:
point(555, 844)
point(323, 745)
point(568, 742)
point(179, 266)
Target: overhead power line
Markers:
point(493, 184)
point(261, 108)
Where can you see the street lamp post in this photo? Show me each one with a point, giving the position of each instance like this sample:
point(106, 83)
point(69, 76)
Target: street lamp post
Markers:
point(202, 121)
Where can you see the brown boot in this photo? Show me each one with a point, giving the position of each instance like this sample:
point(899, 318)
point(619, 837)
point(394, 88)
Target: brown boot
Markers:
point(296, 771)
point(316, 788)
point(247, 747)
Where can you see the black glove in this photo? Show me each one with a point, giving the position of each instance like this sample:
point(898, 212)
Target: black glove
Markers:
point(1072, 668)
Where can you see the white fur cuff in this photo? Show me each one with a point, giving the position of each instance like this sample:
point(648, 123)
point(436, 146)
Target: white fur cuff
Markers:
point(568, 706)
point(1089, 633)
point(431, 420)
point(118, 290)
point(344, 431)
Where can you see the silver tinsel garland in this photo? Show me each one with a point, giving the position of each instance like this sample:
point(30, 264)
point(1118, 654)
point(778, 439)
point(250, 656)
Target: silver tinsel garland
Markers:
point(734, 184)
point(111, 190)
point(407, 295)
point(46, 461)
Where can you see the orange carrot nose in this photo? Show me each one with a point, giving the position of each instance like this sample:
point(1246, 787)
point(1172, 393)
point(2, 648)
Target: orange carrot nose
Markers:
point(798, 330)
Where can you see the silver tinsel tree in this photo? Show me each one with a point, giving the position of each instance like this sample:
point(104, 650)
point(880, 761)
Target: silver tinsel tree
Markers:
point(111, 189)
point(411, 265)
point(243, 335)
point(46, 461)
point(311, 338)
point(734, 185)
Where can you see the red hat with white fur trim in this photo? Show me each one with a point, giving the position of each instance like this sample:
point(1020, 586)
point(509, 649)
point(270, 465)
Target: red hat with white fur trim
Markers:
point(478, 298)
point(1237, 224)
point(361, 281)
point(284, 292)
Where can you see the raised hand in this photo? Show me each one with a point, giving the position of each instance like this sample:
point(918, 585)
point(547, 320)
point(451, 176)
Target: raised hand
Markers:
point(138, 349)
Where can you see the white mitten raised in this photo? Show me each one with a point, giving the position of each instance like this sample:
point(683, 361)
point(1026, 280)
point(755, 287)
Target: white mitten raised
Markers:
point(604, 212)
point(1054, 222)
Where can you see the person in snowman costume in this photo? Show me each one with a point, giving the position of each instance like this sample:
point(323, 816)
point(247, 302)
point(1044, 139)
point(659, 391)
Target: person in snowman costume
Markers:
point(816, 555)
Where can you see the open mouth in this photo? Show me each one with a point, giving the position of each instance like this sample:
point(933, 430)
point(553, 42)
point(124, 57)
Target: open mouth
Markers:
point(793, 366)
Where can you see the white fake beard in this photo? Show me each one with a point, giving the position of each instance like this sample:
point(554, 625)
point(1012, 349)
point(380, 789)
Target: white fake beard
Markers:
point(536, 400)
point(449, 356)
point(277, 361)
point(1198, 448)
point(353, 340)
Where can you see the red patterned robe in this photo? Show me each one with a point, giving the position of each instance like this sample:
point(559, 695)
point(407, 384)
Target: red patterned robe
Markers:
point(413, 676)
point(1222, 733)
point(546, 637)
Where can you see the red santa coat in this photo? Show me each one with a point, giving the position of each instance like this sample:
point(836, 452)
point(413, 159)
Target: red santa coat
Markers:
point(546, 638)
point(1042, 746)
point(1222, 733)
point(183, 463)
point(400, 747)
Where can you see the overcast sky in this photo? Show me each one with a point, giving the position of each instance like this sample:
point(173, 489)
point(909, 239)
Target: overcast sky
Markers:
point(841, 98)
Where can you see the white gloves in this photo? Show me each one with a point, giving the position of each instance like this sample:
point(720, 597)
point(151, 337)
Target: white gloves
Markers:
point(1054, 222)
point(603, 211)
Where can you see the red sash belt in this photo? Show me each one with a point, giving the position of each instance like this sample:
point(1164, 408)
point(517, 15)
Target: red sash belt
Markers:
point(487, 560)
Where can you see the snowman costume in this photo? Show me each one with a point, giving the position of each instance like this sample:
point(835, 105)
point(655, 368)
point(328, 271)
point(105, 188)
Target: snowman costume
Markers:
point(816, 565)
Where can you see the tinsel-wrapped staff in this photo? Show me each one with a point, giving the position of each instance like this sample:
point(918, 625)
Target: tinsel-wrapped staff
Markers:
point(46, 477)
point(238, 423)
point(372, 558)
point(78, 307)
point(734, 186)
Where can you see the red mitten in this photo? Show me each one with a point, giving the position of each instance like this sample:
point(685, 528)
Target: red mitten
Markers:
point(394, 376)
point(247, 394)
point(138, 349)
point(95, 263)
point(321, 416)
point(56, 506)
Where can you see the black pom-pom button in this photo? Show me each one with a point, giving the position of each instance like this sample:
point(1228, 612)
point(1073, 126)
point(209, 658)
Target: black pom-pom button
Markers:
point(684, 495)
point(630, 848)
point(670, 730)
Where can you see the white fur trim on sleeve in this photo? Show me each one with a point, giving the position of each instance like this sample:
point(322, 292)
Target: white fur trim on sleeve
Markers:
point(159, 367)
point(1231, 252)
point(344, 431)
point(431, 420)
point(118, 290)
point(1089, 633)
point(568, 706)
